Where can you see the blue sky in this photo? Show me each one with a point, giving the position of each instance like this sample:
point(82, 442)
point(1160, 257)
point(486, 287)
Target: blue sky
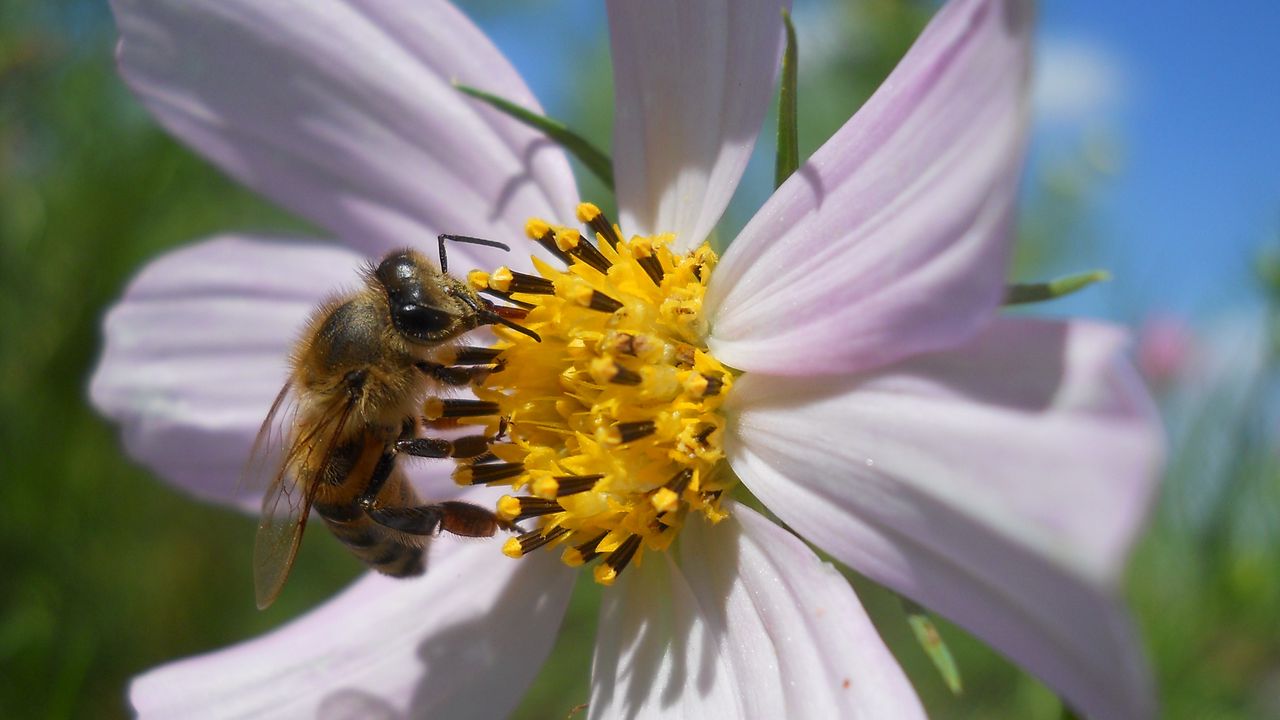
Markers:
point(1187, 93)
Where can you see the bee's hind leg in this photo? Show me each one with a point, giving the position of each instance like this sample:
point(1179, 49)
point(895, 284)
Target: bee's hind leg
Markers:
point(458, 518)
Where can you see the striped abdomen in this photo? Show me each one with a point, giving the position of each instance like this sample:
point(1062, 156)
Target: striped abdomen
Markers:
point(388, 551)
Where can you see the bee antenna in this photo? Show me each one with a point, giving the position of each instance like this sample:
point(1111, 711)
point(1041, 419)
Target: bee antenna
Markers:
point(444, 262)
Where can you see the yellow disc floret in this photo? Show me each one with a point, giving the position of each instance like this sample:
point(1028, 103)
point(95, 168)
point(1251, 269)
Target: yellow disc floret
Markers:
point(614, 416)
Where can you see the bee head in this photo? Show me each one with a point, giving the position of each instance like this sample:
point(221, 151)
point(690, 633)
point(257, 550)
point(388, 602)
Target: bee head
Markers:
point(424, 303)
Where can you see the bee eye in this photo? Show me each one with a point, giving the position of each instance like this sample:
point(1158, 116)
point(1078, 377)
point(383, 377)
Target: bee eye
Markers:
point(420, 321)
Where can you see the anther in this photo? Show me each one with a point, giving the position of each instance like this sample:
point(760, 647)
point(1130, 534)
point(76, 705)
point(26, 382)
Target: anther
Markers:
point(515, 509)
point(571, 241)
point(541, 232)
point(506, 280)
point(680, 481)
point(685, 355)
point(439, 408)
point(574, 484)
point(703, 385)
point(606, 370)
point(563, 485)
point(602, 303)
point(584, 553)
point(651, 264)
point(626, 432)
point(591, 215)
point(523, 545)
point(486, 473)
point(617, 560)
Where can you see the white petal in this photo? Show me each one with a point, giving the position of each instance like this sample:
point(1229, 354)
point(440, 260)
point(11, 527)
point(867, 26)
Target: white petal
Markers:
point(1000, 484)
point(196, 351)
point(345, 112)
point(893, 238)
point(465, 640)
point(749, 624)
point(692, 82)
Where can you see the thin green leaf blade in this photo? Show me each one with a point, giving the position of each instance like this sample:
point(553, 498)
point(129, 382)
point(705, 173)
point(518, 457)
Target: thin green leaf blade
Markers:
point(1023, 293)
point(931, 641)
point(788, 158)
point(589, 155)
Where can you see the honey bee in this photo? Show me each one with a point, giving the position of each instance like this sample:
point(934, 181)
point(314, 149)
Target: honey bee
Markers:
point(360, 375)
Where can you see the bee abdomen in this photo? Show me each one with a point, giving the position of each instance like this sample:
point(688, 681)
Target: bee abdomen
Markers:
point(376, 546)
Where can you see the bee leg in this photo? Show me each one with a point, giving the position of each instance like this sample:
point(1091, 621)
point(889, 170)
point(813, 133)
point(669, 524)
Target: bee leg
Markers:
point(472, 355)
point(455, 517)
point(382, 470)
point(458, 375)
point(463, 448)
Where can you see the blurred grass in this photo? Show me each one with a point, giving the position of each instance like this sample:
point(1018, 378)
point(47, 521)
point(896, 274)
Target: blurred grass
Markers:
point(108, 572)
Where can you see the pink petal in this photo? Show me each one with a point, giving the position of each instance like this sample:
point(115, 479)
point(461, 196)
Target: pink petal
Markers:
point(893, 238)
point(195, 353)
point(463, 640)
point(750, 624)
point(345, 113)
point(1001, 484)
point(692, 82)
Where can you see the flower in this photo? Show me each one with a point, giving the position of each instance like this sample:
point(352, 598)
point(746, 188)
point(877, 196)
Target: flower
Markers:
point(994, 469)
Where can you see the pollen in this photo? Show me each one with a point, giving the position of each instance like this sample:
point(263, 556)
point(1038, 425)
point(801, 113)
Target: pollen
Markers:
point(613, 421)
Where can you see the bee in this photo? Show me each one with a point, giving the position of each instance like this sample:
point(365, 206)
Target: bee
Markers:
point(360, 375)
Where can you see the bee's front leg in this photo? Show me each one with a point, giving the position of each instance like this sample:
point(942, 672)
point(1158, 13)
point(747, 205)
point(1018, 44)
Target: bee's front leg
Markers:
point(459, 375)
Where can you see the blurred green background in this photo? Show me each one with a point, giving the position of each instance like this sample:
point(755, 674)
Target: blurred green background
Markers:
point(106, 571)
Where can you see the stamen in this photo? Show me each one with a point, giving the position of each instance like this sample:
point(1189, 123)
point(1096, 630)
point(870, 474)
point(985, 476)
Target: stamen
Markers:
point(439, 408)
point(703, 385)
point(506, 280)
point(591, 215)
point(572, 242)
point(626, 432)
point(564, 485)
point(523, 545)
point(584, 553)
point(515, 509)
point(667, 498)
point(651, 264)
point(615, 416)
point(479, 474)
point(617, 561)
point(605, 370)
point(602, 303)
point(541, 232)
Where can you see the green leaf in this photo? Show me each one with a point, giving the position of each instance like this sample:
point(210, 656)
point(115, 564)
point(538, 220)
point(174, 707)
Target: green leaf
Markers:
point(1022, 293)
point(788, 137)
point(927, 635)
point(592, 157)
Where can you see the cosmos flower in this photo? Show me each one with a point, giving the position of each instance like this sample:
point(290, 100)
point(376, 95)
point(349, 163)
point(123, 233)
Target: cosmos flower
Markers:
point(994, 469)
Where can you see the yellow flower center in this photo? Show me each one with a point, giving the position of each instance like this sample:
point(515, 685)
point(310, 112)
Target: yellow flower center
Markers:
point(614, 417)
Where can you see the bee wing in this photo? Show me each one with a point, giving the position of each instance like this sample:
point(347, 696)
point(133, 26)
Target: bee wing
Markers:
point(290, 491)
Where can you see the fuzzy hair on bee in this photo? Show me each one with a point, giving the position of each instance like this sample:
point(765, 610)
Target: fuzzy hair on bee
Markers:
point(361, 372)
